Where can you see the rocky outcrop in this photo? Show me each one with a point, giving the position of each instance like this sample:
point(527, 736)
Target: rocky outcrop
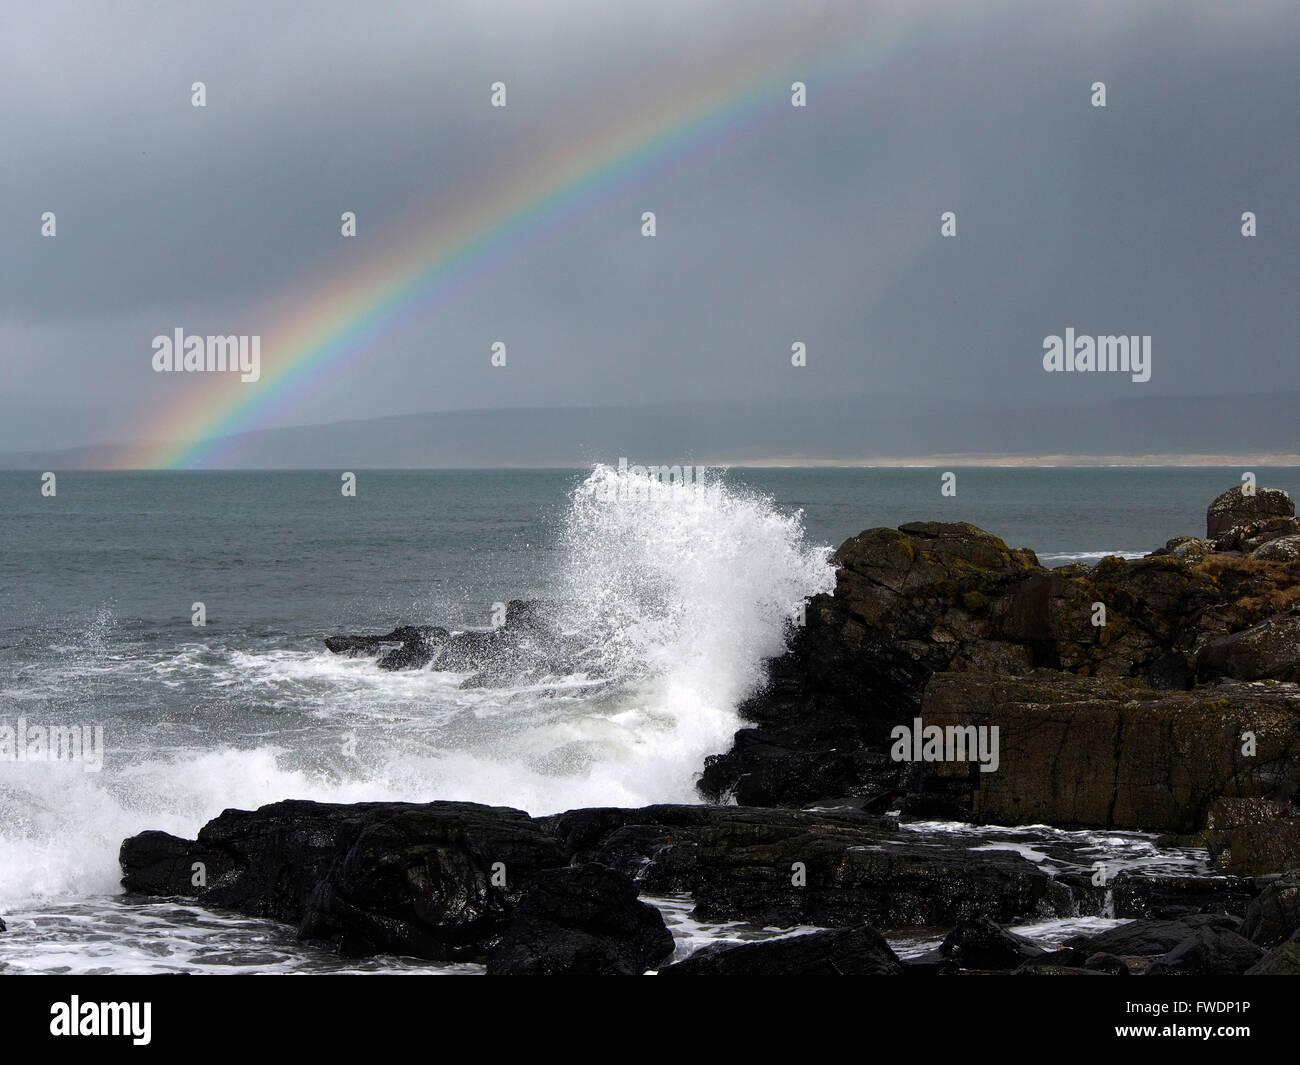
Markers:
point(1282, 549)
point(443, 880)
point(1282, 960)
point(1267, 651)
point(584, 920)
point(559, 895)
point(1253, 837)
point(979, 943)
point(1160, 693)
point(860, 951)
point(1146, 939)
point(1132, 693)
point(1274, 915)
point(789, 867)
point(527, 645)
point(1171, 896)
point(1087, 751)
point(1186, 549)
point(1237, 515)
point(1209, 952)
point(1196, 945)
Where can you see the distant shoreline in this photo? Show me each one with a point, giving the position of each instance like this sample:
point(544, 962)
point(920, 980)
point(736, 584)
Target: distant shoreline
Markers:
point(987, 461)
point(926, 461)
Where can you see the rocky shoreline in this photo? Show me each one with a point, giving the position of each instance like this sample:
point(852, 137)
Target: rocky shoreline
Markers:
point(1157, 695)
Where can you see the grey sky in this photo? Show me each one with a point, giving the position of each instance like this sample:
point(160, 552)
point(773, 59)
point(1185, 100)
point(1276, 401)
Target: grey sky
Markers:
point(821, 226)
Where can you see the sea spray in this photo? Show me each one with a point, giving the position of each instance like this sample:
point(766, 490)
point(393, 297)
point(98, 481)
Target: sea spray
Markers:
point(684, 593)
point(677, 602)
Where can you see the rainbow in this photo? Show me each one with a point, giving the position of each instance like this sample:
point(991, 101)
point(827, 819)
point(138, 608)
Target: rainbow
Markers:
point(326, 327)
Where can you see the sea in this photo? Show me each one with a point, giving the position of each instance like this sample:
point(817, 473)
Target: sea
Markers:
point(183, 614)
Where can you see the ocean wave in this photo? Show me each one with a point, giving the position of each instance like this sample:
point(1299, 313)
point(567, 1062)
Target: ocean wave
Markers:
point(678, 602)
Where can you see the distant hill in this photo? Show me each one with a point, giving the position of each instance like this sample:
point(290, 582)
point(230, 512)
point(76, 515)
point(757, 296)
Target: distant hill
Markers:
point(848, 429)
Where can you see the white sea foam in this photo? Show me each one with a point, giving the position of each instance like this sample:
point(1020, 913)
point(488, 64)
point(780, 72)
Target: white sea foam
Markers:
point(680, 600)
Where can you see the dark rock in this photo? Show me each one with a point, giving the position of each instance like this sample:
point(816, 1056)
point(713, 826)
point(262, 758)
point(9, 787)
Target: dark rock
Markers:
point(905, 602)
point(410, 879)
point(1186, 549)
point(659, 844)
point(1235, 508)
point(888, 885)
point(742, 864)
point(978, 943)
point(860, 951)
point(946, 618)
point(1253, 837)
point(1175, 895)
point(581, 920)
point(404, 635)
point(1110, 964)
point(1087, 751)
point(1275, 915)
point(1208, 952)
point(1282, 960)
point(1031, 968)
point(156, 863)
point(1267, 651)
point(418, 649)
point(528, 644)
point(1250, 537)
point(931, 963)
point(1148, 939)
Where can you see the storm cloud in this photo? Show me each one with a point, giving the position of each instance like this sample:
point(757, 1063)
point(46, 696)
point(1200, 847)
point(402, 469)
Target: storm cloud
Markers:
point(818, 224)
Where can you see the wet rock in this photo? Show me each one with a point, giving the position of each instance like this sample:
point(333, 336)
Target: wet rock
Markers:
point(791, 867)
point(1174, 895)
point(1049, 969)
point(931, 963)
point(1110, 964)
point(368, 877)
point(978, 943)
point(158, 863)
point(1275, 914)
point(1282, 960)
point(1209, 951)
point(659, 845)
point(1148, 939)
point(403, 634)
point(907, 601)
point(582, 920)
point(1253, 837)
point(527, 645)
point(415, 646)
point(935, 615)
point(860, 951)
point(416, 652)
